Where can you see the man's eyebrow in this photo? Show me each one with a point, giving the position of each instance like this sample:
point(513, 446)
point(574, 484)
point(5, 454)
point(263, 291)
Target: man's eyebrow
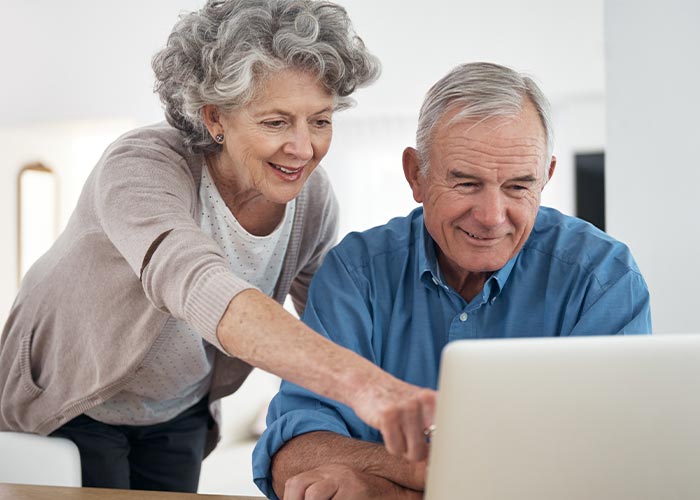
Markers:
point(458, 174)
point(524, 178)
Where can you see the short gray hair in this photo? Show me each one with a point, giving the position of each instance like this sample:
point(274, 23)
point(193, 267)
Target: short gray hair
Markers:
point(221, 54)
point(480, 90)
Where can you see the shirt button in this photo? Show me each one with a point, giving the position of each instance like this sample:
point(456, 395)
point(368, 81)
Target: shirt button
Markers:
point(435, 280)
point(463, 317)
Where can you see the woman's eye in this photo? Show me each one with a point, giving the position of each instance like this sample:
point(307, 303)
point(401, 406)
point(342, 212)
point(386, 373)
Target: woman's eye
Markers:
point(323, 123)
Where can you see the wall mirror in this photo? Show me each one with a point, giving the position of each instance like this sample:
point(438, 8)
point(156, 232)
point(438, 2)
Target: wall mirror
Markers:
point(37, 214)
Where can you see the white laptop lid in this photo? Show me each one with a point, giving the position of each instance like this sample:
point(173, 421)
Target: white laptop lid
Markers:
point(605, 418)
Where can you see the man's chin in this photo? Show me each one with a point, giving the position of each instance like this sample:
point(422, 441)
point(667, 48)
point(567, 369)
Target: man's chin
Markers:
point(483, 267)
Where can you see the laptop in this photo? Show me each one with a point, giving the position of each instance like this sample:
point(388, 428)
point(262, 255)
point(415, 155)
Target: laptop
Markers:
point(604, 418)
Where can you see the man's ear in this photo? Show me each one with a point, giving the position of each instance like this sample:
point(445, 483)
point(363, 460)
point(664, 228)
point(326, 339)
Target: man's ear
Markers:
point(212, 120)
point(552, 167)
point(411, 170)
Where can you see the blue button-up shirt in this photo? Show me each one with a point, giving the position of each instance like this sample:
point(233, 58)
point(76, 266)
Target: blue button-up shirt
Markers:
point(381, 294)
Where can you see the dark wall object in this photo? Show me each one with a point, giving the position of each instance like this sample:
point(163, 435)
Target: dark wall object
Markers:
point(590, 188)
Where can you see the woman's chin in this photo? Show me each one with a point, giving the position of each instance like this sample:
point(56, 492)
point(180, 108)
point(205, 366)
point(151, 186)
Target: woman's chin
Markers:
point(284, 192)
point(282, 196)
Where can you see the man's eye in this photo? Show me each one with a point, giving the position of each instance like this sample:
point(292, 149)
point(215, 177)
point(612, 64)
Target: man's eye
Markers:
point(518, 190)
point(274, 123)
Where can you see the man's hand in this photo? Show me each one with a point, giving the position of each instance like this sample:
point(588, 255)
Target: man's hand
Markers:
point(341, 482)
point(315, 450)
point(401, 412)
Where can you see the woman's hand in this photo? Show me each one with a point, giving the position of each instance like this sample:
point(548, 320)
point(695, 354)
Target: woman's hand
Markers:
point(401, 412)
point(259, 331)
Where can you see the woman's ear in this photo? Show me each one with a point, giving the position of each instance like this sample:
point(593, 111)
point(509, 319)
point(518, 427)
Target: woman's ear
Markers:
point(212, 120)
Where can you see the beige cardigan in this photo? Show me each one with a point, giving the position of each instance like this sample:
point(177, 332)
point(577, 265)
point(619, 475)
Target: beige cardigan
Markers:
point(90, 310)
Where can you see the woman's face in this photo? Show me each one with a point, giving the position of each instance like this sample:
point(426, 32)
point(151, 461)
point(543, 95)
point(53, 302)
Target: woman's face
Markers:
point(273, 143)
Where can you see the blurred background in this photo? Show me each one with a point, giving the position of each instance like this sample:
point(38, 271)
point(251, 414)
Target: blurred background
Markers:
point(77, 74)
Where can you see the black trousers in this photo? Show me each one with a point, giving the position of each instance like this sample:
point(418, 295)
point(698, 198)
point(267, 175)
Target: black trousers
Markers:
point(166, 456)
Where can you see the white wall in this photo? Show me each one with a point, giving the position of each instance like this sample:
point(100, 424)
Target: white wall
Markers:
point(653, 166)
point(83, 77)
point(78, 59)
point(579, 127)
point(66, 60)
point(560, 42)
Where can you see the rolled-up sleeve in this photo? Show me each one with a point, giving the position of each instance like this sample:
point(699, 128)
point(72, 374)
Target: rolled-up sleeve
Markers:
point(293, 411)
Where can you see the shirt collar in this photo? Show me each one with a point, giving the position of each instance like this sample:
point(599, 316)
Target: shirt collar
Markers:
point(431, 275)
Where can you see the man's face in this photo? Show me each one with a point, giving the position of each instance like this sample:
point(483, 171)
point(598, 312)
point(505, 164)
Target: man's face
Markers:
point(482, 190)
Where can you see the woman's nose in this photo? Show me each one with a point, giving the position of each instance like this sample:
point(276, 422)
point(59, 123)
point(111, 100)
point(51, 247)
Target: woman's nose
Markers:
point(299, 144)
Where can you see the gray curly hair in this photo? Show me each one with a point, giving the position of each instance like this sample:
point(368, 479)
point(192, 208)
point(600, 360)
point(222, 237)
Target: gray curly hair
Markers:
point(481, 90)
point(220, 54)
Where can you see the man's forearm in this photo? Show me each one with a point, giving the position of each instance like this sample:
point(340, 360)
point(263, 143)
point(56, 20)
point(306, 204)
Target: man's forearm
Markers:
point(343, 482)
point(315, 449)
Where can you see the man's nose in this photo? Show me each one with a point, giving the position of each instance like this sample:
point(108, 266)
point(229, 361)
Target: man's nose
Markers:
point(490, 210)
point(299, 144)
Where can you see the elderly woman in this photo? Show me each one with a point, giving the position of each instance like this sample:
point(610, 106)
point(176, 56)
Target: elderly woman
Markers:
point(166, 285)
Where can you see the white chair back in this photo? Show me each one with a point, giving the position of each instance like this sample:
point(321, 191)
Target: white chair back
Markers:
point(34, 459)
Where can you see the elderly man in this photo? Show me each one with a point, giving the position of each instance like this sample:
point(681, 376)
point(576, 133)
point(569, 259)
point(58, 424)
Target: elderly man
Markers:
point(480, 259)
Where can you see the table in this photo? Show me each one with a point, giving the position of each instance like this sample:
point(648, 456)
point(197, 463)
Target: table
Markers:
point(32, 492)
